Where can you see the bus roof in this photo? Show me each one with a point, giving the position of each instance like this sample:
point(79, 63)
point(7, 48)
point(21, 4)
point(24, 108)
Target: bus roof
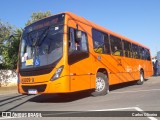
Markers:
point(89, 23)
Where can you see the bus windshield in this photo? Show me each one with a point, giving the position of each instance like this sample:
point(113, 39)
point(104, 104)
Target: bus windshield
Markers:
point(41, 47)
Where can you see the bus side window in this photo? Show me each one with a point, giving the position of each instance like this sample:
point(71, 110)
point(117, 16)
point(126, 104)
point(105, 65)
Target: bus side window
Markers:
point(100, 42)
point(148, 57)
point(135, 51)
point(142, 53)
point(78, 47)
point(116, 46)
point(83, 43)
point(107, 45)
point(127, 49)
point(77, 44)
point(72, 43)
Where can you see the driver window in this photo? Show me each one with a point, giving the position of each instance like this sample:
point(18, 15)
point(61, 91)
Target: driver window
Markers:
point(77, 44)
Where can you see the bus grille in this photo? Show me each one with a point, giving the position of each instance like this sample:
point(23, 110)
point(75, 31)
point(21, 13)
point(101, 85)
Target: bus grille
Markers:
point(39, 88)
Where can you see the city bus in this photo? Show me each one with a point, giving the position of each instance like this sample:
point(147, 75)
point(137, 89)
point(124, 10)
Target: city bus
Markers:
point(66, 53)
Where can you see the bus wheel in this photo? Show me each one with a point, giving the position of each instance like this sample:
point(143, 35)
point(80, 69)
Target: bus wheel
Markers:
point(102, 86)
point(141, 80)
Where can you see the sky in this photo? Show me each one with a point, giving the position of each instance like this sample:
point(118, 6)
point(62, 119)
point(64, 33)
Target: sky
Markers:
point(138, 20)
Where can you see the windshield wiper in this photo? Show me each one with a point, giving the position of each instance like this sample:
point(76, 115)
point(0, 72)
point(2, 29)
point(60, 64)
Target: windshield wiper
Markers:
point(36, 40)
point(42, 37)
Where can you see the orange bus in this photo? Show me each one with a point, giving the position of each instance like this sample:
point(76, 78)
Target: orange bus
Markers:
point(66, 53)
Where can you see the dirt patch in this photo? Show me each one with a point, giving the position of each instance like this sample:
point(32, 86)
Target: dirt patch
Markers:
point(11, 89)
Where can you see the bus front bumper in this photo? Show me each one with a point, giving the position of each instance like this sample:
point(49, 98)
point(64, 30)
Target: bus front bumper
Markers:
point(60, 85)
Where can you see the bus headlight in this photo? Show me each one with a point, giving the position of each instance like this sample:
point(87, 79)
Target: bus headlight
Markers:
point(18, 79)
point(57, 73)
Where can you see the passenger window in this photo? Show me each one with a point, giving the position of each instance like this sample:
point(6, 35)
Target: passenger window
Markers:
point(148, 57)
point(100, 42)
point(116, 46)
point(127, 49)
point(142, 53)
point(135, 51)
point(107, 45)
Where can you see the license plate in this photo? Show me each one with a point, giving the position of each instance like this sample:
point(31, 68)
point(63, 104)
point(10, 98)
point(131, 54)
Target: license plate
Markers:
point(32, 91)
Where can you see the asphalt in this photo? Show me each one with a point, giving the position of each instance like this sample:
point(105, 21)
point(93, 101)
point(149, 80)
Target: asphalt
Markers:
point(125, 97)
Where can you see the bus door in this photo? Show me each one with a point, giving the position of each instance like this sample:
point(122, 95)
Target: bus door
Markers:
point(78, 60)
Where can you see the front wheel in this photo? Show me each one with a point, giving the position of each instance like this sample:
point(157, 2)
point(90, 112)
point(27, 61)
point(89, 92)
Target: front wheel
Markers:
point(102, 85)
point(141, 80)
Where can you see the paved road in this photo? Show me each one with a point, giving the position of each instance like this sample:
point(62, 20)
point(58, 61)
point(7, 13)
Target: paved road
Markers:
point(126, 97)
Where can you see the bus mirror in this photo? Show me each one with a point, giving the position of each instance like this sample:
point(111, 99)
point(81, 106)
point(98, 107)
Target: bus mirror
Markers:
point(79, 34)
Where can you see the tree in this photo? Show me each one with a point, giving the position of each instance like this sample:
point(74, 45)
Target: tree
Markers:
point(5, 30)
point(10, 50)
point(37, 16)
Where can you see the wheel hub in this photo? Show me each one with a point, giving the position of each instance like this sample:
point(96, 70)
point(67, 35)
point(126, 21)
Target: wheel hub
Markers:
point(100, 84)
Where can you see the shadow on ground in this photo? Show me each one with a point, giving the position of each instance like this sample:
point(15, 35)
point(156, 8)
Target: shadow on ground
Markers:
point(55, 98)
point(62, 98)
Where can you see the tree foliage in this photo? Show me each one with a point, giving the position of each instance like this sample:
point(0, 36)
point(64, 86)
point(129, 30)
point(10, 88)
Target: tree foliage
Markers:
point(5, 30)
point(10, 50)
point(37, 16)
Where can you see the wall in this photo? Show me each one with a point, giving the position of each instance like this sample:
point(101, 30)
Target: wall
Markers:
point(8, 78)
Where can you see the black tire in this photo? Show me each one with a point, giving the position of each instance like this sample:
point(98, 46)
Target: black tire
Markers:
point(141, 80)
point(102, 85)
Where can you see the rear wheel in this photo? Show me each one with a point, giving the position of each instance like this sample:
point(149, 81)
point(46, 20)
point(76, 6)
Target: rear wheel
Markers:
point(141, 80)
point(102, 86)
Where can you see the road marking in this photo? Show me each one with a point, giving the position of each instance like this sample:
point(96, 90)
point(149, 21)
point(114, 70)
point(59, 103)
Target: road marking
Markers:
point(128, 108)
point(137, 91)
point(140, 110)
